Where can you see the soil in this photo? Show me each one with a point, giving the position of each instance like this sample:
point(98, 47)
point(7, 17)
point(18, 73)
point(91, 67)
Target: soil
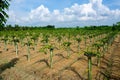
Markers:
point(14, 67)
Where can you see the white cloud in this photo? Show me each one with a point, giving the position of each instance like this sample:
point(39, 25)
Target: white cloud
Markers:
point(94, 10)
point(41, 13)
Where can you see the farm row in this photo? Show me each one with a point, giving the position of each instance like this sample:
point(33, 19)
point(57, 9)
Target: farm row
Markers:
point(58, 54)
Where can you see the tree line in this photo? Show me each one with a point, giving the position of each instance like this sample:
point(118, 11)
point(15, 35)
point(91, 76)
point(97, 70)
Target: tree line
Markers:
point(4, 5)
point(16, 27)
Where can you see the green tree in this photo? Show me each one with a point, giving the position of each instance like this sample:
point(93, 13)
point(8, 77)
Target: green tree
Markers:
point(66, 45)
point(35, 40)
point(4, 5)
point(45, 39)
point(16, 41)
point(118, 23)
point(78, 40)
point(28, 43)
point(59, 39)
point(50, 48)
point(98, 46)
point(5, 39)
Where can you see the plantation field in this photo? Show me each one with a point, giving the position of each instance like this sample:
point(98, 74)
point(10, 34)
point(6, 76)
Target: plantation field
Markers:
point(59, 54)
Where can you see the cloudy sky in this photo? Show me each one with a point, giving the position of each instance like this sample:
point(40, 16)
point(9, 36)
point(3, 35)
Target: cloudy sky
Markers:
point(64, 13)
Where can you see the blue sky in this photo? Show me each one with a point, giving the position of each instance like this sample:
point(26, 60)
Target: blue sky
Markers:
point(64, 13)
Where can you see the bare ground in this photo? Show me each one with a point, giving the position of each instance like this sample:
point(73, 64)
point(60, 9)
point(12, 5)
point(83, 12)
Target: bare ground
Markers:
point(74, 68)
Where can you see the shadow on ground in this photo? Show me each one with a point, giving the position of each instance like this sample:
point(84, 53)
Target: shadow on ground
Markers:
point(8, 65)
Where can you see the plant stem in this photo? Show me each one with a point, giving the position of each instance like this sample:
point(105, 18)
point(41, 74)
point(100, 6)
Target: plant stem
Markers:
point(35, 46)
point(85, 43)
point(98, 60)
point(78, 46)
point(16, 47)
point(5, 45)
point(51, 58)
point(28, 49)
point(89, 68)
point(68, 52)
